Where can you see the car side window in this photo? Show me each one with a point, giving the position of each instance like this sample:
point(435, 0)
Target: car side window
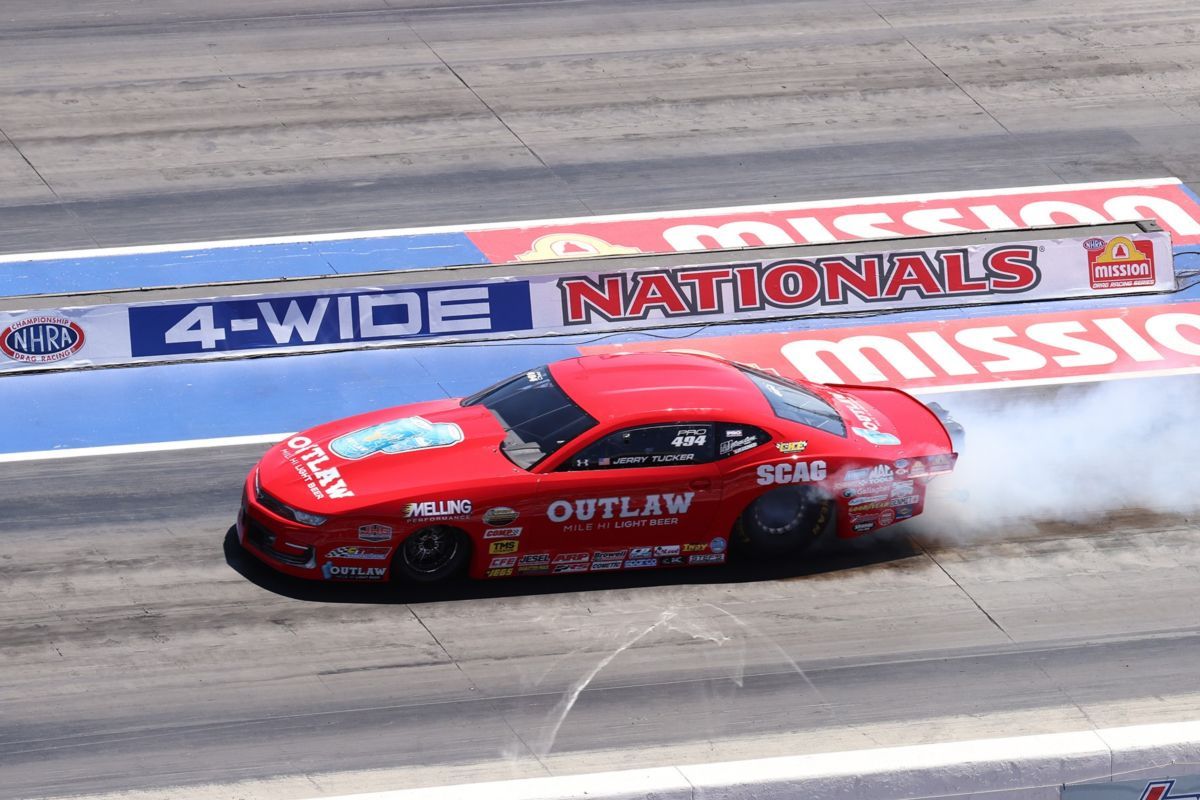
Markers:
point(648, 446)
point(733, 440)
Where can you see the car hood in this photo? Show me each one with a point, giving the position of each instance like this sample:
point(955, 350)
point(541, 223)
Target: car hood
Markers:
point(418, 452)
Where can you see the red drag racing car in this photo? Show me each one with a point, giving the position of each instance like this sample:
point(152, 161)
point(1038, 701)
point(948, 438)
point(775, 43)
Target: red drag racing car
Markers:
point(593, 464)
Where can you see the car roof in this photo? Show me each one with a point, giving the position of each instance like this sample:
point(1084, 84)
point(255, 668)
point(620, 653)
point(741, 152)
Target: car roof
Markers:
point(638, 386)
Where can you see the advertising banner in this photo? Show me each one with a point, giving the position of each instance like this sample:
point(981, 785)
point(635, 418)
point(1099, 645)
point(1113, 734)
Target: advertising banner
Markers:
point(1181, 788)
point(622, 297)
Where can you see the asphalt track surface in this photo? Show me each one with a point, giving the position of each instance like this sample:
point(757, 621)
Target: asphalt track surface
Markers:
point(139, 650)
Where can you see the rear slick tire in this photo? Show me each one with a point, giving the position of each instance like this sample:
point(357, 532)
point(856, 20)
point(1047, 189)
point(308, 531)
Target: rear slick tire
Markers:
point(786, 520)
point(431, 555)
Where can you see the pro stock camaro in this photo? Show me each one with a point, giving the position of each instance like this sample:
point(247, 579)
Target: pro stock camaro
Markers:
point(593, 464)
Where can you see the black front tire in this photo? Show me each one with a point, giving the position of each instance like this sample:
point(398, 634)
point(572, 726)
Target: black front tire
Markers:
point(432, 554)
point(786, 520)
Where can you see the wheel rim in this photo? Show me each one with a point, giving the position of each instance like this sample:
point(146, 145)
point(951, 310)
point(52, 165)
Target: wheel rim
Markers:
point(430, 550)
point(779, 512)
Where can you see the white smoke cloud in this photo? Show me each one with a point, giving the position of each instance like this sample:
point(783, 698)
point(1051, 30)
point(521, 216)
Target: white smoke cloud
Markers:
point(1071, 453)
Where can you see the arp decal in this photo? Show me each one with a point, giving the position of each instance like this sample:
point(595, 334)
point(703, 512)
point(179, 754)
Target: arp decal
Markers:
point(397, 436)
point(375, 533)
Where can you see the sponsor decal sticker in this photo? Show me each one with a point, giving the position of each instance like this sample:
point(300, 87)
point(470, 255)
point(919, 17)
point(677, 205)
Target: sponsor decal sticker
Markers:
point(695, 548)
point(331, 571)
point(535, 558)
point(735, 446)
point(41, 339)
point(718, 545)
point(902, 488)
point(609, 555)
point(604, 566)
point(638, 563)
point(886, 517)
point(504, 546)
point(530, 569)
point(671, 561)
point(397, 436)
point(791, 447)
point(877, 437)
point(503, 572)
point(862, 501)
point(904, 512)
point(502, 533)
point(360, 553)
point(791, 472)
point(310, 462)
point(438, 509)
point(561, 568)
point(1120, 263)
point(619, 513)
point(500, 516)
point(503, 561)
point(667, 550)
point(375, 533)
point(641, 552)
point(572, 558)
point(707, 558)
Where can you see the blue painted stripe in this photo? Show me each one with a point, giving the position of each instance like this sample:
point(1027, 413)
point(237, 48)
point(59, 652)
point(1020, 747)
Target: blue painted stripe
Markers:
point(250, 263)
point(254, 396)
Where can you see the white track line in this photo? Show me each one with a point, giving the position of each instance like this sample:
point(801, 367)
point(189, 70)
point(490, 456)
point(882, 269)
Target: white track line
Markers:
point(146, 447)
point(536, 223)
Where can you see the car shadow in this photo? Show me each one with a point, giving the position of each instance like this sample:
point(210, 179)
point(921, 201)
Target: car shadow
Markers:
point(841, 555)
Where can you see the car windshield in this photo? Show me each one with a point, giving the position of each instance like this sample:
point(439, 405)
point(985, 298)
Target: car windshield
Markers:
point(537, 416)
point(792, 402)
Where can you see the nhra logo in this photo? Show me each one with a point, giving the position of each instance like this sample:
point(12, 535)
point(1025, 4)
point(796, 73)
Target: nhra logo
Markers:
point(41, 339)
point(1121, 263)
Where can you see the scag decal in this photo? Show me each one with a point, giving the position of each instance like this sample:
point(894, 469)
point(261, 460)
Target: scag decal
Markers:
point(397, 436)
point(791, 472)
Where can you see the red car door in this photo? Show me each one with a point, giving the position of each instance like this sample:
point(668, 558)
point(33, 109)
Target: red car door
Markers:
point(630, 500)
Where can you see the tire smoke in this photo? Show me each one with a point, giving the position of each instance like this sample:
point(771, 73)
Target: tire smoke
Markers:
point(1072, 453)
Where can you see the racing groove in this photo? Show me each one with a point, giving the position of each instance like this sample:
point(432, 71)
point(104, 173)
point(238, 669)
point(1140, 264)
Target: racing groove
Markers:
point(140, 648)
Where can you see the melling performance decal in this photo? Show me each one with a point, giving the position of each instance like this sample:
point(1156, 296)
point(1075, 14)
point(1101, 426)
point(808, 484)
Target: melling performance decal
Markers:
point(41, 339)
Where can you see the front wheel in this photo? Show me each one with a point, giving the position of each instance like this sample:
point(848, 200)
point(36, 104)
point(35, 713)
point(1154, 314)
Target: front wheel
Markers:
point(785, 520)
point(432, 554)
